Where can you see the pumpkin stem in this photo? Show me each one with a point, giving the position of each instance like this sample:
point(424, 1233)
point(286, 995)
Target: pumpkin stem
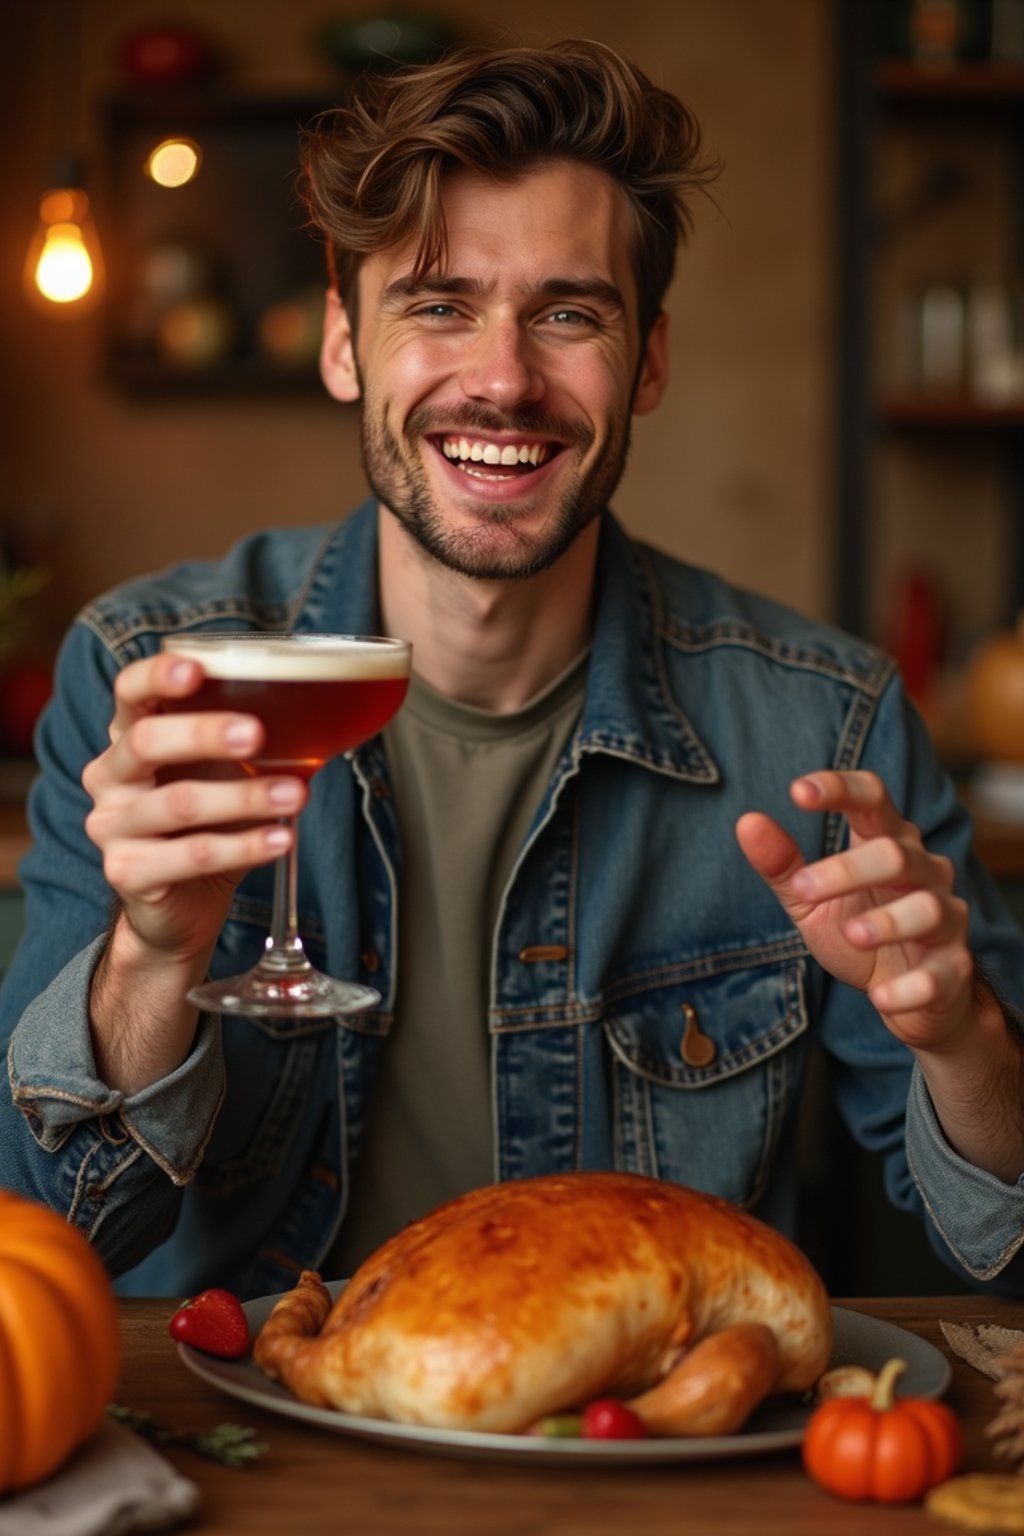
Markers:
point(883, 1395)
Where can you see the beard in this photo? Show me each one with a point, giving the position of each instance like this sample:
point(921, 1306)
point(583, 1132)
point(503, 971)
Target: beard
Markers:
point(495, 548)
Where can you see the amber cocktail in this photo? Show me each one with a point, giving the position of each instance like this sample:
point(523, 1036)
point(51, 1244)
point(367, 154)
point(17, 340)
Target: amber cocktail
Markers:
point(317, 696)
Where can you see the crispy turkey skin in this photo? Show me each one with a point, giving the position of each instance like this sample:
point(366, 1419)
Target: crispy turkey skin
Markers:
point(530, 1297)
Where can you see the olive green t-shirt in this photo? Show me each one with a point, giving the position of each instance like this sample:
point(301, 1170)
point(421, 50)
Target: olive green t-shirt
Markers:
point(467, 785)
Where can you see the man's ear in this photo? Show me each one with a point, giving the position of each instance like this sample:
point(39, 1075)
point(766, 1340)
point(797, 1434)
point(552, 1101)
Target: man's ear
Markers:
point(337, 355)
point(653, 375)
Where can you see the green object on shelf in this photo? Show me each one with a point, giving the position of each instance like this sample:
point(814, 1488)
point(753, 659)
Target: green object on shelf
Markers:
point(387, 42)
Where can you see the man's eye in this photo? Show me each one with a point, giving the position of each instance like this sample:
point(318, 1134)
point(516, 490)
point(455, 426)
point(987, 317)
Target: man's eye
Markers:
point(569, 317)
point(437, 311)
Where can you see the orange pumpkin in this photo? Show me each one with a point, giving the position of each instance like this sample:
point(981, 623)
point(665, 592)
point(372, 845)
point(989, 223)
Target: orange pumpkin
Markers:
point(59, 1341)
point(994, 696)
point(891, 1450)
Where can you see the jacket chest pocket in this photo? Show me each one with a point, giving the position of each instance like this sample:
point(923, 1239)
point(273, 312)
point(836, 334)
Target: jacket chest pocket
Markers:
point(705, 1073)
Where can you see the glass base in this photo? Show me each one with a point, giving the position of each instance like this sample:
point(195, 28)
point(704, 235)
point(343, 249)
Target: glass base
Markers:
point(266, 994)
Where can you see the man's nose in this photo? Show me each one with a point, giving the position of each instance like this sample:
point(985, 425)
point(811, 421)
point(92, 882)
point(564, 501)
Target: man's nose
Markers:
point(502, 366)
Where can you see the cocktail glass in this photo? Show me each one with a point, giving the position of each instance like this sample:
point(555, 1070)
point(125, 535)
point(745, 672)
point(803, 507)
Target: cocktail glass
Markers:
point(317, 696)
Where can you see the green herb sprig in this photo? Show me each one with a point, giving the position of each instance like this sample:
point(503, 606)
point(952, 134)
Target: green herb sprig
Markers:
point(229, 1444)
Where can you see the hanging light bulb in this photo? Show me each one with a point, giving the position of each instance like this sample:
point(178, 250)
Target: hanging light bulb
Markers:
point(64, 267)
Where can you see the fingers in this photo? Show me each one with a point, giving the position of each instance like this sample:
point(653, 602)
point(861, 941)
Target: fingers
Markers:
point(770, 850)
point(141, 687)
point(184, 830)
point(843, 789)
point(187, 803)
point(937, 984)
point(153, 728)
point(883, 861)
point(923, 916)
point(147, 867)
point(157, 741)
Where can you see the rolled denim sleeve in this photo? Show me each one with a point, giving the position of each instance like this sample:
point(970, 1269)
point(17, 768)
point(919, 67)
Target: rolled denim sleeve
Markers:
point(54, 1081)
point(978, 1217)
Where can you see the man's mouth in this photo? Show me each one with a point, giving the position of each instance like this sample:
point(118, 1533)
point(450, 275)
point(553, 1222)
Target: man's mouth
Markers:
point(487, 459)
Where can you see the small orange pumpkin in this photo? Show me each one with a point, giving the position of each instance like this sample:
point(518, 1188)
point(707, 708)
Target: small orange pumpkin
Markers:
point(59, 1341)
point(880, 1447)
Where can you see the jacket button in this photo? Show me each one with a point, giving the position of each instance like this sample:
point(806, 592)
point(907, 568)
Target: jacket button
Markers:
point(370, 961)
point(696, 1049)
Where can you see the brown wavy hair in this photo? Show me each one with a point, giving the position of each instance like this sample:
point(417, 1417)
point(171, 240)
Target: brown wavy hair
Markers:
point(372, 170)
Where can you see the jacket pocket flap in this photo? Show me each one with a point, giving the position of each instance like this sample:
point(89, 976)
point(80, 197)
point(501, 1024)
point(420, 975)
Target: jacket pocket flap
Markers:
point(701, 1030)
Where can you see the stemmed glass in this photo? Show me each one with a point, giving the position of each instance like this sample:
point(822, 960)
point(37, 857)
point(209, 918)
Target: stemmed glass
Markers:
point(317, 695)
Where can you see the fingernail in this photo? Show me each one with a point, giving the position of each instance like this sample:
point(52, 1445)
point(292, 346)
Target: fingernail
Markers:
point(812, 789)
point(863, 931)
point(278, 837)
point(803, 883)
point(181, 673)
point(283, 792)
point(240, 733)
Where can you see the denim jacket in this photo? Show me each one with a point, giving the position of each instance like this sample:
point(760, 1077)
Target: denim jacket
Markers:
point(651, 1005)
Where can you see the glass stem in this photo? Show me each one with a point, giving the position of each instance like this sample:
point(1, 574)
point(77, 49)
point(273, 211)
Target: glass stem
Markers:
point(284, 950)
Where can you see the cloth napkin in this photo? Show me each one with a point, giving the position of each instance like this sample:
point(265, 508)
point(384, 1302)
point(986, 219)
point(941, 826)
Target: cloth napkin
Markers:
point(115, 1484)
point(979, 1345)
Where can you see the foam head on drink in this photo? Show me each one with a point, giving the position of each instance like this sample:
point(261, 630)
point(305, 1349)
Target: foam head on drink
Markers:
point(316, 696)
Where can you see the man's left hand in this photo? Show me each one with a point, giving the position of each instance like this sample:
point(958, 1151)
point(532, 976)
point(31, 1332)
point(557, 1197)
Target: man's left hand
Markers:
point(880, 916)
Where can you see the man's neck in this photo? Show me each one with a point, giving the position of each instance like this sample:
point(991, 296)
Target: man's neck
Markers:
point(492, 644)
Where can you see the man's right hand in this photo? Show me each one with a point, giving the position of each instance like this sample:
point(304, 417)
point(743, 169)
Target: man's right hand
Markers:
point(178, 823)
point(177, 820)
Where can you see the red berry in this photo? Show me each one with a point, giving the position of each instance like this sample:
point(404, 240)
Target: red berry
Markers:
point(214, 1322)
point(608, 1419)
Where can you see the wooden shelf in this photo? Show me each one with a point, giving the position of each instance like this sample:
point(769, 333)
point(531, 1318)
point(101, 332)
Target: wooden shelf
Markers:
point(148, 378)
point(959, 411)
point(233, 240)
point(900, 79)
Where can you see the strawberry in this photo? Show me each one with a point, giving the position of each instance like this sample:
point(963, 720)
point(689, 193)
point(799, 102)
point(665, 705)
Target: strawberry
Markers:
point(608, 1419)
point(214, 1322)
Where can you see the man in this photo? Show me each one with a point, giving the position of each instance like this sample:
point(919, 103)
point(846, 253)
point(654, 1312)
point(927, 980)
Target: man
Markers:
point(598, 866)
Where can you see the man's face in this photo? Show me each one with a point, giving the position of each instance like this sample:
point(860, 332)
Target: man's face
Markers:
point(497, 394)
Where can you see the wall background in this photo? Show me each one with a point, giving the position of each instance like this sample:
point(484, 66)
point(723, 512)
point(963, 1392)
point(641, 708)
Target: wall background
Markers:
point(733, 471)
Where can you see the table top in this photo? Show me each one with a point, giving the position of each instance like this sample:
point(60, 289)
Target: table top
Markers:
point(314, 1481)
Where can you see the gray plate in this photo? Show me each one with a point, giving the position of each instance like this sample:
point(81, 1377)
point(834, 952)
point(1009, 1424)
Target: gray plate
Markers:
point(776, 1426)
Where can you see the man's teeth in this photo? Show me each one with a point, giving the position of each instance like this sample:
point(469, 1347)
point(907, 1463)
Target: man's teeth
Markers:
point(461, 450)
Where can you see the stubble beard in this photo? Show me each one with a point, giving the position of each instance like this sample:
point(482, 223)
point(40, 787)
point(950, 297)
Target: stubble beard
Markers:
point(494, 549)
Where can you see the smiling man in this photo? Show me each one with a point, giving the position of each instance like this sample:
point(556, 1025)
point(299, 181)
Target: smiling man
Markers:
point(634, 841)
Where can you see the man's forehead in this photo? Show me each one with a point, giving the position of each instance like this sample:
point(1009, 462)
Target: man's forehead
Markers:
point(558, 223)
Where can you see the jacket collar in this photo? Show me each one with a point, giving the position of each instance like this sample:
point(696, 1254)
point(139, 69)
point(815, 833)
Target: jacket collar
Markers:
point(629, 710)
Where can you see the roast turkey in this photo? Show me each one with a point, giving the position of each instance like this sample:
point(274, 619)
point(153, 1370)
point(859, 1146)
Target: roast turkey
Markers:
point(535, 1296)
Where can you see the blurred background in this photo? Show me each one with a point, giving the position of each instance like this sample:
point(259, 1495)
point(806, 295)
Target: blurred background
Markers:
point(843, 429)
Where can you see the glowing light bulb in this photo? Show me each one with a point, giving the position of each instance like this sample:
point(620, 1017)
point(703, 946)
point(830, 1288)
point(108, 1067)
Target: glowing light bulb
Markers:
point(174, 162)
point(64, 265)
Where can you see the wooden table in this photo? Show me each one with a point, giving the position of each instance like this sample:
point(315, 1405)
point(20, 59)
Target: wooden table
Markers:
point(316, 1482)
